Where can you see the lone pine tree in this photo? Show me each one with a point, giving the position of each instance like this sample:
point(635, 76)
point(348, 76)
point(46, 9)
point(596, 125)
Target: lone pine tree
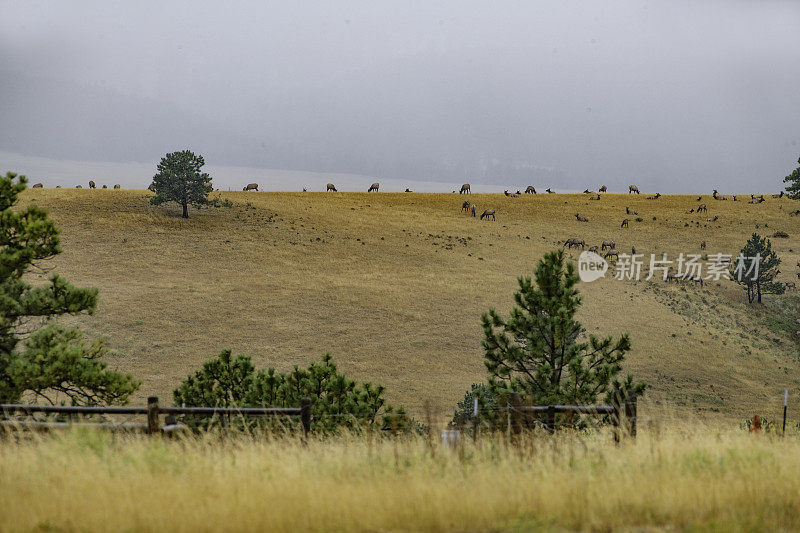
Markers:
point(180, 179)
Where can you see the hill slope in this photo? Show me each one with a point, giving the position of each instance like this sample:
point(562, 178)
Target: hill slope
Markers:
point(394, 286)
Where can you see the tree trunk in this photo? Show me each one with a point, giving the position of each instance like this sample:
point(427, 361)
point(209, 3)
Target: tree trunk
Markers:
point(185, 210)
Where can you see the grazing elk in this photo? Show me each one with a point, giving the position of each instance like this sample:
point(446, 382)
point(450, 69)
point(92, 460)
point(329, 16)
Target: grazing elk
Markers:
point(512, 195)
point(548, 191)
point(117, 186)
point(570, 243)
point(409, 190)
point(624, 223)
point(593, 249)
point(465, 189)
point(374, 187)
point(488, 213)
point(465, 207)
point(530, 189)
point(330, 187)
point(38, 186)
point(251, 187)
point(608, 244)
point(612, 252)
point(603, 189)
point(580, 218)
point(632, 189)
point(702, 208)
point(587, 191)
point(91, 184)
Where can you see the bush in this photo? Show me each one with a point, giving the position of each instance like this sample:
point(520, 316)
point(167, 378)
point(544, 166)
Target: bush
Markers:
point(337, 402)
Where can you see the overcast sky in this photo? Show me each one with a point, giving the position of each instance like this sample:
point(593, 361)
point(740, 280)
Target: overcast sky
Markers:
point(673, 96)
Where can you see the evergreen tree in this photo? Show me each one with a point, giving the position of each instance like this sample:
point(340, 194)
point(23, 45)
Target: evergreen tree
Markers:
point(793, 190)
point(539, 352)
point(228, 381)
point(52, 362)
point(180, 180)
point(756, 268)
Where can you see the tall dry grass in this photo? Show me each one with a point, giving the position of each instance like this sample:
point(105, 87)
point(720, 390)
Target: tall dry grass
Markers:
point(679, 478)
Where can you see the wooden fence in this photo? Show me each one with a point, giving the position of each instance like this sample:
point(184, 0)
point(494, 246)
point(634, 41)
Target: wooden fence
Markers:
point(622, 406)
point(152, 411)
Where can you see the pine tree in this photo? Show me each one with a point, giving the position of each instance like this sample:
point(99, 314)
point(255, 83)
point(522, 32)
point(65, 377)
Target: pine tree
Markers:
point(793, 190)
point(228, 381)
point(541, 351)
point(180, 180)
point(756, 268)
point(51, 362)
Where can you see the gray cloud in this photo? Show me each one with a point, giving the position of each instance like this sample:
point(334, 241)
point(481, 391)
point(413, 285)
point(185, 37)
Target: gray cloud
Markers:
point(674, 96)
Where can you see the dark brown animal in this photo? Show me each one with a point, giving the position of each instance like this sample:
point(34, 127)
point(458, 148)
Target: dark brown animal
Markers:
point(549, 191)
point(603, 189)
point(608, 244)
point(38, 186)
point(778, 195)
point(593, 249)
point(330, 187)
point(91, 184)
point(79, 186)
point(580, 218)
point(702, 207)
point(629, 211)
point(152, 187)
point(409, 190)
point(465, 207)
point(594, 197)
point(624, 223)
point(570, 243)
point(464, 189)
point(105, 187)
point(117, 186)
point(586, 191)
point(703, 245)
point(612, 252)
point(472, 210)
point(374, 187)
point(656, 197)
point(530, 189)
point(633, 188)
point(251, 187)
point(488, 213)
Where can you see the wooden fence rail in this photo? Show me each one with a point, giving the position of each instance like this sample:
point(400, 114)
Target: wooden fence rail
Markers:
point(153, 412)
point(622, 406)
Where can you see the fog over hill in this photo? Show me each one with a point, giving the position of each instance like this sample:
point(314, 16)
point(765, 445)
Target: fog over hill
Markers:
point(676, 97)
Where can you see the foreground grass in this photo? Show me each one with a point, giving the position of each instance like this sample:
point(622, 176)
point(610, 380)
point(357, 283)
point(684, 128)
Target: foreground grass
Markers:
point(710, 480)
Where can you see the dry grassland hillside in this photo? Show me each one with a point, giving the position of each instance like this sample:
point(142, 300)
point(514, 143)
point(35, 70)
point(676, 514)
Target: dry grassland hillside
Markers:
point(394, 285)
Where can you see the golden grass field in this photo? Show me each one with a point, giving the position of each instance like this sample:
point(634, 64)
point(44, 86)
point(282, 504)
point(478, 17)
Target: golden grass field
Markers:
point(394, 285)
point(690, 478)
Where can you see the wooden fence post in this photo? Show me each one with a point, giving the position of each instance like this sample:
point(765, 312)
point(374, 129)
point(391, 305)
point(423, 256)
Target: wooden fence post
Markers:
point(630, 413)
point(616, 416)
point(551, 419)
point(152, 415)
point(305, 416)
point(515, 414)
